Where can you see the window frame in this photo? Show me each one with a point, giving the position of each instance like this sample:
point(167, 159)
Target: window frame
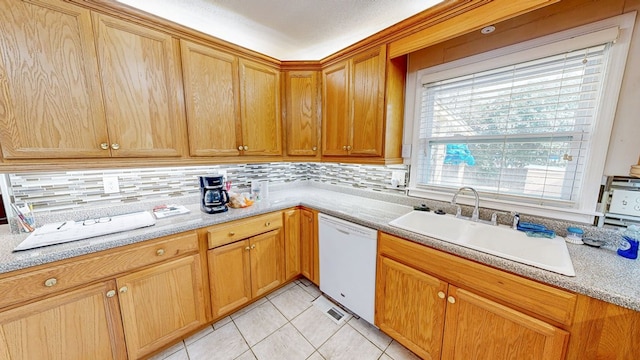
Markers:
point(585, 207)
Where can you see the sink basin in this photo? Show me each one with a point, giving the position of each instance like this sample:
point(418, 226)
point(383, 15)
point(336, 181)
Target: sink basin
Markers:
point(502, 241)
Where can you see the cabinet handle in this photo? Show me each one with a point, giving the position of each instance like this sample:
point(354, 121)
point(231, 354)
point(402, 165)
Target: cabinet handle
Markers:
point(115, 146)
point(315, 148)
point(104, 146)
point(160, 252)
point(441, 294)
point(124, 289)
point(253, 246)
point(240, 147)
point(246, 148)
point(50, 282)
point(349, 147)
point(344, 147)
point(111, 293)
point(231, 233)
point(451, 299)
point(267, 224)
point(247, 248)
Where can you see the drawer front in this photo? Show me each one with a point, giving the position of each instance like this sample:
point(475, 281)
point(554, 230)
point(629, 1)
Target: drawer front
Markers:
point(54, 278)
point(244, 228)
point(524, 294)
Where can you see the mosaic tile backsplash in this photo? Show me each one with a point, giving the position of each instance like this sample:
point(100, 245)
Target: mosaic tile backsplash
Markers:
point(73, 190)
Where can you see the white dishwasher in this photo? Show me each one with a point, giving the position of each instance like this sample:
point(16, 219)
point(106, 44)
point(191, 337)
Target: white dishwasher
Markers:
point(348, 264)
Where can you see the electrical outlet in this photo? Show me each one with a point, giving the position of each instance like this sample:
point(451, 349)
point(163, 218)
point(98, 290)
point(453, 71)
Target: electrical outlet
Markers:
point(110, 184)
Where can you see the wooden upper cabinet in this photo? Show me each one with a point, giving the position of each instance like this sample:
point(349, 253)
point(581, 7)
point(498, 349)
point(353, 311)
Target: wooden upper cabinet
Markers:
point(302, 122)
point(211, 89)
point(368, 103)
point(335, 109)
point(362, 109)
point(50, 97)
point(479, 328)
point(140, 75)
point(260, 109)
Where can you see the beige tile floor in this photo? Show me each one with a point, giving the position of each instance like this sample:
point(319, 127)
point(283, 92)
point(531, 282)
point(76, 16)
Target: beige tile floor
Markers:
point(286, 326)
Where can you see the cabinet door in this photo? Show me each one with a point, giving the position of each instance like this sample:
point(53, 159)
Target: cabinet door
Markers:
point(267, 265)
point(410, 307)
point(81, 324)
point(161, 304)
point(309, 246)
point(229, 277)
point(211, 100)
point(301, 90)
point(140, 81)
point(368, 103)
point(335, 109)
point(260, 109)
point(478, 328)
point(49, 89)
point(292, 243)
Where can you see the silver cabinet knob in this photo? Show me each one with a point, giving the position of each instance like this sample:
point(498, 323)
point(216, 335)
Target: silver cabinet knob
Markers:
point(111, 293)
point(240, 147)
point(344, 147)
point(115, 146)
point(349, 147)
point(451, 299)
point(246, 148)
point(124, 289)
point(315, 148)
point(160, 252)
point(50, 282)
point(104, 146)
point(247, 248)
point(441, 294)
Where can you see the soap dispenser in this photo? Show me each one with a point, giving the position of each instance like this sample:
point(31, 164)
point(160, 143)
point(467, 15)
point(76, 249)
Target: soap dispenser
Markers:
point(629, 247)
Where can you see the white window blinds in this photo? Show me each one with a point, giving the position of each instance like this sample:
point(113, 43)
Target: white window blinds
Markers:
point(518, 132)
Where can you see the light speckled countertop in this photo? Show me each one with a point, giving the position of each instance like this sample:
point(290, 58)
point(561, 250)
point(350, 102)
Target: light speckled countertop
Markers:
point(600, 273)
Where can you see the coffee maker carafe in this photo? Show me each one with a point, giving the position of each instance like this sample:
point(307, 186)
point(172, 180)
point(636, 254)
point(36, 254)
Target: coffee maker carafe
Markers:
point(213, 196)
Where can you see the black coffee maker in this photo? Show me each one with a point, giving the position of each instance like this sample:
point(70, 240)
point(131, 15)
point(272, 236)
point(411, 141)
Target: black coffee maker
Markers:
point(213, 196)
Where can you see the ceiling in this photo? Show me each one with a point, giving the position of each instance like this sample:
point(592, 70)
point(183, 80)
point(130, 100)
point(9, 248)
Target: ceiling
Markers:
point(286, 29)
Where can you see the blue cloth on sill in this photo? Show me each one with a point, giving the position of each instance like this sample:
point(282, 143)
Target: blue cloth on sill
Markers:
point(456, 154)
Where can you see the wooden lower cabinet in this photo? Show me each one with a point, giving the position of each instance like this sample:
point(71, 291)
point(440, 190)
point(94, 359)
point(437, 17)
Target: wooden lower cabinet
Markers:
point(439, 320)
point(80, 324)
point(309, 262)
point(244, 270)
point(478, 328)
point(292, 251)
point(161, 304)
point(408, 307)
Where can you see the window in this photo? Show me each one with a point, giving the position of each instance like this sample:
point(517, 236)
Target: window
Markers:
point(523, 126)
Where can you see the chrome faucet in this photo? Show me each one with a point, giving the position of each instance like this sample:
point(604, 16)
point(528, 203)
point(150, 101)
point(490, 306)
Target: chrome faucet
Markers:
point(475, 214)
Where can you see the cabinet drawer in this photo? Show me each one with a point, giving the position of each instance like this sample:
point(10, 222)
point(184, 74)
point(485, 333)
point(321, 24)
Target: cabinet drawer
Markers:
point(528, 295)
point(244, 228)
point(85, 269)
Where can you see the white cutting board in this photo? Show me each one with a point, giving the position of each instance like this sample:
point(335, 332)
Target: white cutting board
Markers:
point(59, 233)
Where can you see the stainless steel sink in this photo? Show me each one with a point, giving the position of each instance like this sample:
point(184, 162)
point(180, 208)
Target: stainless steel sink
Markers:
point(502, 241)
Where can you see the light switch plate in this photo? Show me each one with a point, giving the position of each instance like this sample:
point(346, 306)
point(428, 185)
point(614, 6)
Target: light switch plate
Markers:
point(406, 151)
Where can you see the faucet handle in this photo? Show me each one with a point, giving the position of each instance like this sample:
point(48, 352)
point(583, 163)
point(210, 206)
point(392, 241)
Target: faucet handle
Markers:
point(494, 218)
point(458, 211)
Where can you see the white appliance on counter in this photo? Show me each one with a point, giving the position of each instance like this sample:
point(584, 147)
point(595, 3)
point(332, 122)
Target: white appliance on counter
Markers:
point(59, 233)
point(348, 264)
